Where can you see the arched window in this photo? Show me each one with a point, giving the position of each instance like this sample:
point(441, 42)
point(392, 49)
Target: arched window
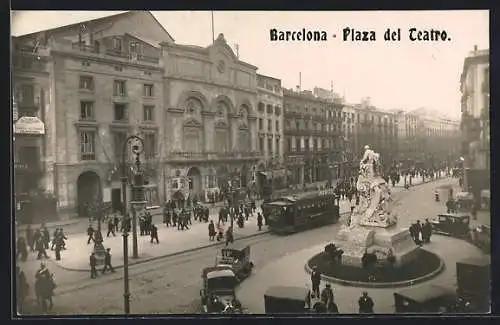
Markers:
point(221, 141)
point(244, 143)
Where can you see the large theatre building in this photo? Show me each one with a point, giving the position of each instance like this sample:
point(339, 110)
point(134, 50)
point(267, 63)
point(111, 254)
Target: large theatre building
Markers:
point(210, 120)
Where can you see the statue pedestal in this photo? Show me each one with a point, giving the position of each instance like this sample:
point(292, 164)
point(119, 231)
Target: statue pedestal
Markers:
point(355, 241)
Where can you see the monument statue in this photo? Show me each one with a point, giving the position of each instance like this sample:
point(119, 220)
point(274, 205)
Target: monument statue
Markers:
point(374, 194)
point(373, 225)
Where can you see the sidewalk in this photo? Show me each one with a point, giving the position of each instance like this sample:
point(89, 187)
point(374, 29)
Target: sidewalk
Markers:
point(172, 242)
point(80, 225)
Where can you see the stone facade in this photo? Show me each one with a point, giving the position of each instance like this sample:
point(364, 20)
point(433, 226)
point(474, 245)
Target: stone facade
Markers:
point(210, 119)
point(81, 65)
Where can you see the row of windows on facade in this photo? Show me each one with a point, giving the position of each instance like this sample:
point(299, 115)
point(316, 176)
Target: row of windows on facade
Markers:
point(120, 112)
point(313, 110)
point(25, 94)
point(305, 144)
point(269, 109)
point(88, 140)
point(119, 87)
point(269, 125)
point(270, 150)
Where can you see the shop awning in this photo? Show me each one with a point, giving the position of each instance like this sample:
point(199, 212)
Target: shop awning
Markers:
point(30, 125)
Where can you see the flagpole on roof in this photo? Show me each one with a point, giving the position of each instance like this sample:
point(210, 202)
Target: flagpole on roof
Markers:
point(213, 33)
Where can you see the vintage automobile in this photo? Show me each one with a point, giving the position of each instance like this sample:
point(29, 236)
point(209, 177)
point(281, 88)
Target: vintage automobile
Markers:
point(285, 299)
point(464, 201)
point(452, 224)
point(236, 257)
point(429, 299)
point(218, 292)
point(485, 199)
point(481, 237)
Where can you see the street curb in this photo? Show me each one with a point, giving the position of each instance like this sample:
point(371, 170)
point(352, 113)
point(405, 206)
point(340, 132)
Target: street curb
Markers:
point(360, 284)
point(154, 258)
point(62, 223)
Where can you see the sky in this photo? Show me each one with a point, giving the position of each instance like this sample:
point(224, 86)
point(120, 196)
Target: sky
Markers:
point(394, 75)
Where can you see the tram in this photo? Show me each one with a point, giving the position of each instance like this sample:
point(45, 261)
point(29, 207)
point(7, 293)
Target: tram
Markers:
point(290, 214)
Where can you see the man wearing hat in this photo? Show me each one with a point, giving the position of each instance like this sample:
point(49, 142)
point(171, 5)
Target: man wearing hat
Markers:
point(316, 280)
point(107, 262)
point(328, 299)
point(365, 304)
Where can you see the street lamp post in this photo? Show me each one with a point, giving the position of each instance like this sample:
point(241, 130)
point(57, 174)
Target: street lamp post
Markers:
point(464, 173)
point(126, 219)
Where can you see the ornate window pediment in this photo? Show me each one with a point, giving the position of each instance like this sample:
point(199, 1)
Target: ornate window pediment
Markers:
point(220, 124)
point(192, 123)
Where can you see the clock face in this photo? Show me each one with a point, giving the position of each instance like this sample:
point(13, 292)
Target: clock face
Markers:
point(221, 66)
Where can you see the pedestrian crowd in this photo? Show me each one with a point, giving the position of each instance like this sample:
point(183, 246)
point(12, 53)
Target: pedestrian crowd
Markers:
point(38, 242)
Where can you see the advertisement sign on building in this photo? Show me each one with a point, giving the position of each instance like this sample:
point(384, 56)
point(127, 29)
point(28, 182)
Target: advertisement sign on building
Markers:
point(30, 125)
point(15, 114)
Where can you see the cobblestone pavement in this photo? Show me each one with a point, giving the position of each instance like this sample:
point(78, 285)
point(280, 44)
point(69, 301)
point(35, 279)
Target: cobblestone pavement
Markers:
point(154, 284)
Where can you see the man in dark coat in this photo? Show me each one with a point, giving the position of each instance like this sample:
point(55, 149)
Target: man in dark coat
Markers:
point(365, 304)
point(22, 248)
point(40, 247)
point(116, 222)
point(111, 227)
point(93, 264)
point(107, 261)
point(46, 237)
point(211, 231)
point(418, 233)
point(315, 281)
point(154, 234)
point(426, 231)
point(259, 221)
point(29, 238)
point(412, 231)
point(229, 235)
point(90, 233)
point(22, 289)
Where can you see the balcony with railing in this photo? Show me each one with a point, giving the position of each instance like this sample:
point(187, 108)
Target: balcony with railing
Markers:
point(106, 53)
point(29, 61)
point(293, 115)
point(188, 156)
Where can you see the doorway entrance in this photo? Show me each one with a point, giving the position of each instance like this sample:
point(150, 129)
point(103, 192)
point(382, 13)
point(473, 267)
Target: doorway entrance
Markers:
point(89, 194)
point(116, 200)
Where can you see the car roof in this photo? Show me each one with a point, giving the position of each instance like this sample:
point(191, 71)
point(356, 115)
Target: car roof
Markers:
point(287, 292)
point(454, 215)
point(425, 294)
point(214, 270)
point(478, 261)
point(236, 246)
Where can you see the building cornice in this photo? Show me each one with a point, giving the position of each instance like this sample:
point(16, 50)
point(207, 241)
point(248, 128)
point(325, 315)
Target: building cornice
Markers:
point(211, 83)
point(107, 60)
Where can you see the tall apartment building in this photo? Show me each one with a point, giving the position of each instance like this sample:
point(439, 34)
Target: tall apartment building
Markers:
point(90, 85)
point(379, 130)
point(440, 138)
point(306, 148)
point(475, 124)
point(270, 130)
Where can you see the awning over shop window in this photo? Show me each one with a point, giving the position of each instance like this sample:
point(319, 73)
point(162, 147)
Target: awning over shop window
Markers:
point(30, 125)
